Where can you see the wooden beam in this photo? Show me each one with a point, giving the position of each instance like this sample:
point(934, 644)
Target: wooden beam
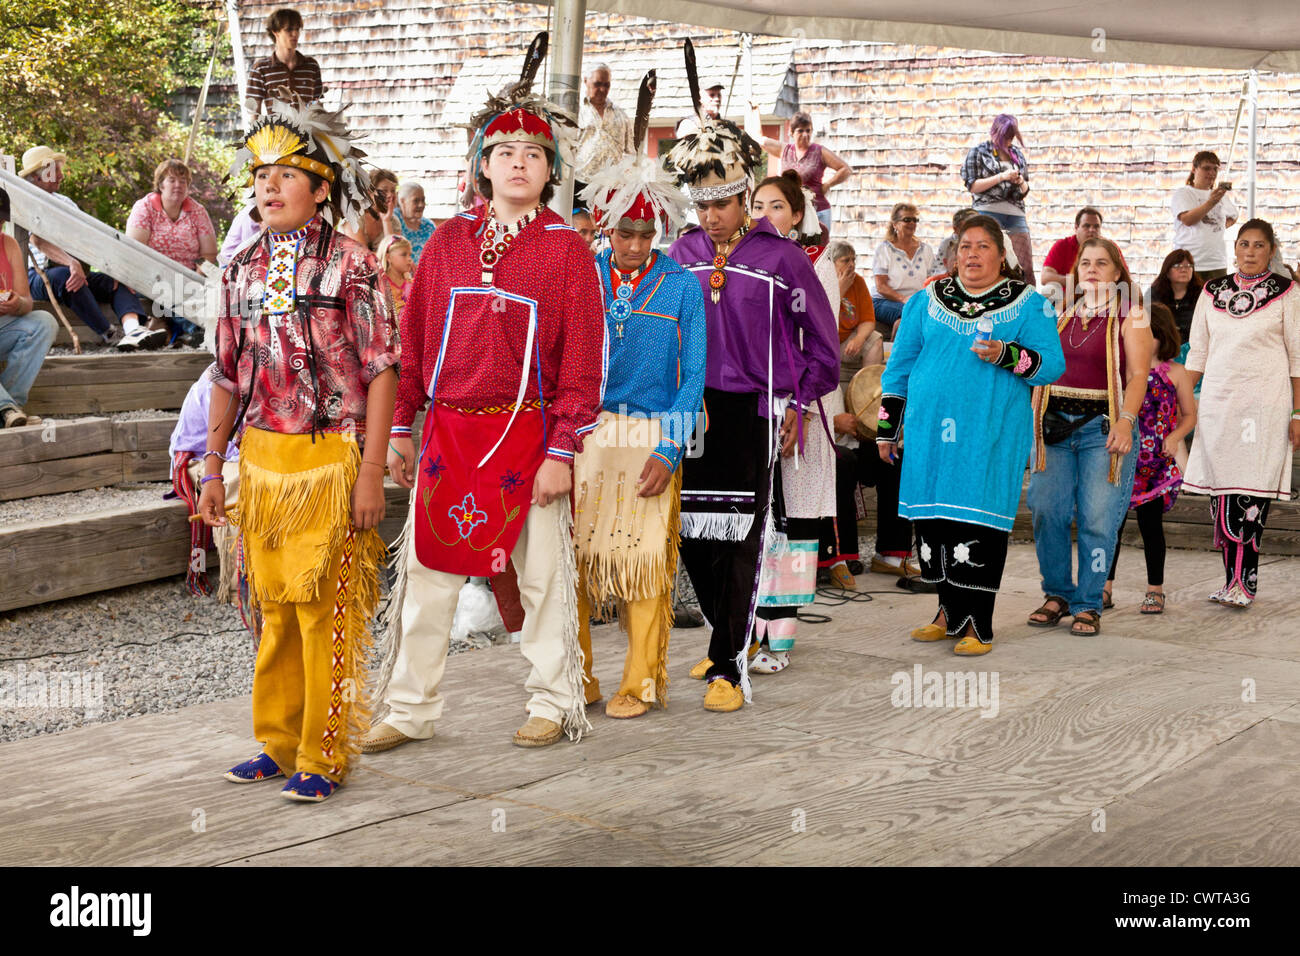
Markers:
point(106, 250)
point(55, 439)
point(56, 476)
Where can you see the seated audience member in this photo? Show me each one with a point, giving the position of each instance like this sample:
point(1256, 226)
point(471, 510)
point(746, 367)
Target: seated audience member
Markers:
point(860, 343)
point(410, 217)
point(25, 334)
point(169, 221)
point(948, 248)
point(1060, 258)
point(901, 266)
point(70, 283)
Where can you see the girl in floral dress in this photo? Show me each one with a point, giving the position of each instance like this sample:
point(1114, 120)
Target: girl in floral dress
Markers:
point(1168, 415)
point(394, 255)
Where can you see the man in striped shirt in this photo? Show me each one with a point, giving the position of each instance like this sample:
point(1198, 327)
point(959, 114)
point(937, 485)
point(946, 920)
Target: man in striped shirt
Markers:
point(285, 71)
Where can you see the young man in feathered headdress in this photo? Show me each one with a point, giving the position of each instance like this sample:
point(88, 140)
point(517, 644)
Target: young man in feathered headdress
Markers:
point(628, 476)
point(503, 338)
point(772, 353)
point(306, 349)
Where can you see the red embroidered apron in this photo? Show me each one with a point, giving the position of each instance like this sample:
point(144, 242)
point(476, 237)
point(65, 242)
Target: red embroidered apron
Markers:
point(468, 518)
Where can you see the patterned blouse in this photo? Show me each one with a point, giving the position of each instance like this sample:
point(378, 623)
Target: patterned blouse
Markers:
point(417, 237)
point(179, 240)
point(303, 329)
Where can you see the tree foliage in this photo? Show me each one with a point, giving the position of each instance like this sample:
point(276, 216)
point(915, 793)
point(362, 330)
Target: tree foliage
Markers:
point(93, 80)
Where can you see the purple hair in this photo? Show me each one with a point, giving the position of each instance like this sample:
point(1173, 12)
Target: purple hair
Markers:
point(1003, 131)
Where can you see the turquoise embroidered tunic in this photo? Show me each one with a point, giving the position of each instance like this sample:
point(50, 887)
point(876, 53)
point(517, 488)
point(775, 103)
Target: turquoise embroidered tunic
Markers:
point(967, 423)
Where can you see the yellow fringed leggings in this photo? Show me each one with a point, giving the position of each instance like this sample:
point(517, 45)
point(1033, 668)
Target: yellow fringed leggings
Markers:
point(648, 623)
point(315, 580)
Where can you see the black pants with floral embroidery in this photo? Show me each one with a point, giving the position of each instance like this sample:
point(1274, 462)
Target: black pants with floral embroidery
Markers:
point(1238, 526)
point(966, 562)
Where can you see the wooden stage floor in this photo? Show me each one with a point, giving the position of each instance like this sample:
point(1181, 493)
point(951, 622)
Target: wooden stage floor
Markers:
point(1164, 741)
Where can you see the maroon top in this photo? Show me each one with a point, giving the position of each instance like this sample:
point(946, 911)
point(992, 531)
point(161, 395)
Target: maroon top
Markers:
point(1085, 354)
point(810, 169)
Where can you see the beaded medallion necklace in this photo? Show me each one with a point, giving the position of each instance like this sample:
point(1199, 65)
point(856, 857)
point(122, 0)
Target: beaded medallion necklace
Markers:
point(718, 278)
point(621, 308)
point(497, 237)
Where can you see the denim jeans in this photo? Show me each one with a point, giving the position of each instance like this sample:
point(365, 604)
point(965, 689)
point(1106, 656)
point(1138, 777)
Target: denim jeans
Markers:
point(85, 301)
point(1074, 486)
point(887, 311)
point(24, 340)
point(824, 217)
point(1008, 222)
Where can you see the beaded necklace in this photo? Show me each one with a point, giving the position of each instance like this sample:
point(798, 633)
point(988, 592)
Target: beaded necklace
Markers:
point(497, 237)
point(718, 278)
point(621, 308)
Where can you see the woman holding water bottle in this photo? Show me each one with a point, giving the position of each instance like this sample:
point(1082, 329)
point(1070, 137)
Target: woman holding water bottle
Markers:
point(1083, 428)
point(969, 348)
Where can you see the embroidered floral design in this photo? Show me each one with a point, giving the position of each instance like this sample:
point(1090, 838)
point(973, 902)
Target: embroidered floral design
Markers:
point(510, 482)
point(883, 419)
point(466, 515)
point(1022, 364)
point(1252, 512)
point(961, 554)
point(434, 468)
point(925, 552)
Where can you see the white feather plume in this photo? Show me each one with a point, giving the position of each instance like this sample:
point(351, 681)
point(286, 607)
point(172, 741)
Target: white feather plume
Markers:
point(628, 178)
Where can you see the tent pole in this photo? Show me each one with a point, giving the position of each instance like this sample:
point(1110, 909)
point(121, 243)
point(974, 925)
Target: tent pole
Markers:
point(1253, 103)
point(565, 76)
point(237, 52)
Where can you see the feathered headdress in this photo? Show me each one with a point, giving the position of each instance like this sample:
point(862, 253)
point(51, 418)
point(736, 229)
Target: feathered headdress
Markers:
point(308, 136)
point(636, 192)
point(518, 115)
point(718, 159)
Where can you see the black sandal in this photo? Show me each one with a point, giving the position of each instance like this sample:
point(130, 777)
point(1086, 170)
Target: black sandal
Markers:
point(1088, 619)
point(1051, 617)
point(1107, 600)
point(1153, 603)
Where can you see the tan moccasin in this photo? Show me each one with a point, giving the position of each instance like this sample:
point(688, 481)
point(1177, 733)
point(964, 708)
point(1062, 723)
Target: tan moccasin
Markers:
point(383, 737)
point(538, 732)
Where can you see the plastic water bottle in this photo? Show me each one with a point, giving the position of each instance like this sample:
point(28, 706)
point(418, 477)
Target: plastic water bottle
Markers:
point(984, 329)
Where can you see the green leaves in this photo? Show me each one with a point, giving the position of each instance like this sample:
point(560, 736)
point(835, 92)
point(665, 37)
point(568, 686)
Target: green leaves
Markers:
point(93, 80)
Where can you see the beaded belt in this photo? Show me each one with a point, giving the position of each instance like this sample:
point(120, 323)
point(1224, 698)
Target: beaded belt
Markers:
point(528, 405)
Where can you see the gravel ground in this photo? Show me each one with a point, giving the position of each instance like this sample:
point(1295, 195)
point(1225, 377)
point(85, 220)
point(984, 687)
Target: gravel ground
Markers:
point(145, 649)
point(93, 501)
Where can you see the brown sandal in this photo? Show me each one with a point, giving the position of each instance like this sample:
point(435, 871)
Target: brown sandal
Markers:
point(1088, 619)
point(1051, 618)
point(1153, 603)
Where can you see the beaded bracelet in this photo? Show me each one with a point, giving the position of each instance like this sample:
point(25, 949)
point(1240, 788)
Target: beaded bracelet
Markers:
point(207, 478)
point(217, 453)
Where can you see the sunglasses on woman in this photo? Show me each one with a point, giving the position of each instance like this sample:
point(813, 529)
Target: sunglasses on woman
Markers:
point(912, 219)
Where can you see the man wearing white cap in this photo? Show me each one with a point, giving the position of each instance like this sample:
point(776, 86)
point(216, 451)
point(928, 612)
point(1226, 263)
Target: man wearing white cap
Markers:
point(710, 105)
point(76, 288)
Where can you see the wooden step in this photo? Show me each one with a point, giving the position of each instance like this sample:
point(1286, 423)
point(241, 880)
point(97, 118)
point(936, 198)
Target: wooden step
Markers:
point(103, 382)
point(51, 560)
point(59, 456)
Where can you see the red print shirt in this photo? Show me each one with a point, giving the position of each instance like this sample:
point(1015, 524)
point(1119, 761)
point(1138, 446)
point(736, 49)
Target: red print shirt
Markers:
point(308, 369)
point(547, 271)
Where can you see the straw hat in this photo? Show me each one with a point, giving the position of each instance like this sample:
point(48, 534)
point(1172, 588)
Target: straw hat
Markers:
point(38, 157)
point(864, 398)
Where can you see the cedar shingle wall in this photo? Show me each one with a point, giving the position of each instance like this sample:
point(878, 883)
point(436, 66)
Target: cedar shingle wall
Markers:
point(1116, 136)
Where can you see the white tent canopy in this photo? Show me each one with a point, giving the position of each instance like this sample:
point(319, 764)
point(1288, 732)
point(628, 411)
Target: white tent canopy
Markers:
point(1244, 34)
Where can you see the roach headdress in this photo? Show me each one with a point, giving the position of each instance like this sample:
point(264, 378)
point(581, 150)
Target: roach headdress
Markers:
point(518, 115)
point(718, 160)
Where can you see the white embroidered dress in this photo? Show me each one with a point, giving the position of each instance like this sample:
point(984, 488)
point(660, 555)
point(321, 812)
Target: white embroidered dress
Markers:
point(1246, 339)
